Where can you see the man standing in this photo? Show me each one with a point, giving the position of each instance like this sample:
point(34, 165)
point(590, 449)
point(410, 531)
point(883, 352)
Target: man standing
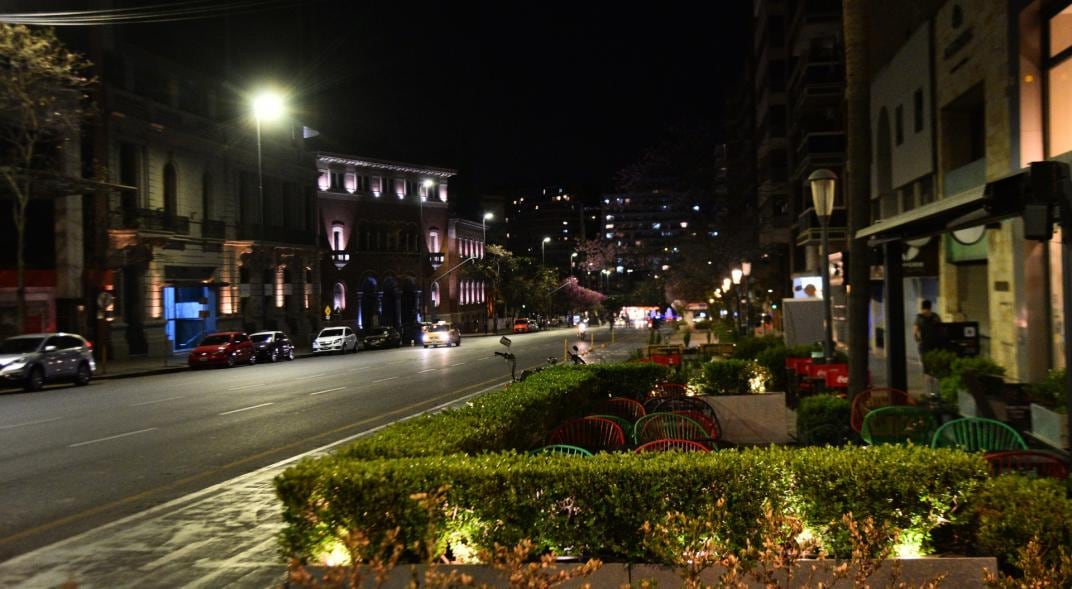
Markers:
point(927, 329)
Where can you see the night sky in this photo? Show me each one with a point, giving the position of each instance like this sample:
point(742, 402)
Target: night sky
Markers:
point(513, 95)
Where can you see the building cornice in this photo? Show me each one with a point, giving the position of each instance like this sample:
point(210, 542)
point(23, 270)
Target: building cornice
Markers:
point(364, 162)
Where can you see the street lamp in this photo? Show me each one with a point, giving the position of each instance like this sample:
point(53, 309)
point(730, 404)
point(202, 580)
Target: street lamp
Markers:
point(746, 271)
point(736, 275)
point(543, 250)
point(822, 184)
point(267, 106)
point(484, 228)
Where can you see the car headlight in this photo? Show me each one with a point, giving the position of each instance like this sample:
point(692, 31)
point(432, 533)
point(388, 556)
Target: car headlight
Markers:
point(14, 366)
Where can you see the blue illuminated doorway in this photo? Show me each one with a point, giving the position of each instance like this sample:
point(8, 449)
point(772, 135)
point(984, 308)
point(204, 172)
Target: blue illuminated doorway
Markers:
point(190, 312)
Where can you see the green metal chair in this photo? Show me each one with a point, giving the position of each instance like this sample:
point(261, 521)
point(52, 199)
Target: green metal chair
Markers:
point(668, 426)
point(977, 434)
point(561, 450)
point(625, 424)
point(898, 424)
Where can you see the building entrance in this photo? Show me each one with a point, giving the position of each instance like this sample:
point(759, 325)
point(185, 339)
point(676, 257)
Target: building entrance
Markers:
point(190, 312)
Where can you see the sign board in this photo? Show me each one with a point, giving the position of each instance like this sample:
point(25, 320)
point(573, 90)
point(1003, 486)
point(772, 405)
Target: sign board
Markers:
point(505, 341)
point(962, 337)
point(105, 300)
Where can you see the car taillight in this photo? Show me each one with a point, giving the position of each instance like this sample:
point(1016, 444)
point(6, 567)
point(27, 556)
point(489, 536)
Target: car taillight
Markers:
point(89, 344)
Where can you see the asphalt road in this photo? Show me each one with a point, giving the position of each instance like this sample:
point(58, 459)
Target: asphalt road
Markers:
point(74, 458)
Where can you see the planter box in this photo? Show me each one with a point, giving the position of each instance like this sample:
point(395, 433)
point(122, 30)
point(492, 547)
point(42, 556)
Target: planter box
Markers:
point(960, 573)
point(968, 406)
point(1049, 426)
point(752, 419)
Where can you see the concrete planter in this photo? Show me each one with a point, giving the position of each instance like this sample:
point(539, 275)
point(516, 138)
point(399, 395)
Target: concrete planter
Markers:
point(752, 419)
point(1049, 426)
point(960, 573)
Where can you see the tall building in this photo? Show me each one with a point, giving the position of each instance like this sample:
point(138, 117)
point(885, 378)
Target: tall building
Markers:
point(646, 230)
point(545, 224)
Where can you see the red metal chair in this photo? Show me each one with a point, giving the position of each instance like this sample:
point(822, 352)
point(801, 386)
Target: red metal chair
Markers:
point(668, 426)
point(672, 445)
point(671, 404)
point(1027, 462)
point(869, 399)
point(627, 409)
point(594, 434)
point(712, 426)
point(667, 359)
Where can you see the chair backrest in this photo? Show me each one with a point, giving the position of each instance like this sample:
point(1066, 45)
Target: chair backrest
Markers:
point(561, 450)
point(1027, 462)
point(977, 434)
point(667, 389)
point(897, 424)
point(837, 376)
point(869, 399)
point(711, 425)
point(622, 407)
point(671, 404)
point(625, 424)
point(672, 445)
point(591, 433)
point(661, 426)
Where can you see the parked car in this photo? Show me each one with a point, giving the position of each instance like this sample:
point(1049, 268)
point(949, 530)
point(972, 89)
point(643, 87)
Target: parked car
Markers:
point(413, 332)
point(525, 325)
point(335, 339)
point(33, 360)
point(442, 334)
point(381, 337)
point(272, 346)
point(225, 348)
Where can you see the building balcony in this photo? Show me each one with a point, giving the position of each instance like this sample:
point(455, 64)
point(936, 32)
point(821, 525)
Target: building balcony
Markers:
point(213, 229)
point(964, 178)
point(275, 234)
point(340, 258)
point(150, 220)
point(435, 259)
point(810, 231)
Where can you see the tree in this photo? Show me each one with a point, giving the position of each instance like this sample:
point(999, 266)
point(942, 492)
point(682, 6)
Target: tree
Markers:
point(595, 255)
point(41, 88)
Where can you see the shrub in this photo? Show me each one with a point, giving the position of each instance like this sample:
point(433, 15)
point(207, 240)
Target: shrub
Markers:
point(937, 363)
point(772, 360)
point(728, 377)
point(823, 419)
point(749, 347)
point(1051, 391)
point(959, 368)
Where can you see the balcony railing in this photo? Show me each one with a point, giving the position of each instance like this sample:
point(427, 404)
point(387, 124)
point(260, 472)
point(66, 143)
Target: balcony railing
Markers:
point(276, 234)
point(809, 230)
point(435, 259)
point(150, 220)
point(964, 178)
point(213, 229)
point(340, 258)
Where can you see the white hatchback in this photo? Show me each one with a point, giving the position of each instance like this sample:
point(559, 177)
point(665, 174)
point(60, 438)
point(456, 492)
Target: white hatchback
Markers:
point(335, 339)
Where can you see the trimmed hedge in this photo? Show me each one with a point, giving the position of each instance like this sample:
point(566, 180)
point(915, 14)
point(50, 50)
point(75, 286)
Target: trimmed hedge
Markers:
point(596, 506)
point(727, 377)
point(824, 419)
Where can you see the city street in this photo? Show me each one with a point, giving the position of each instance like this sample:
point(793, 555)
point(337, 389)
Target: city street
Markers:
point(76, 458)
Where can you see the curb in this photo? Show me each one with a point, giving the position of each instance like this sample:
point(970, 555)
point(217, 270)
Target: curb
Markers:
point(164, 370)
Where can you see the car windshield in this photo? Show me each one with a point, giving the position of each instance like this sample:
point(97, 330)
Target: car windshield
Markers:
point(260, 338)
point(337, 332)
point(380, 332)
point(439, 327)
point(215, 340)
point(522, 321)
point(20, 345)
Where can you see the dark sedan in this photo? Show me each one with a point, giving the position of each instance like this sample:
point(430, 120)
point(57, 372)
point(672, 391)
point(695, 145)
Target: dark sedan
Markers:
point(272, 346)
point(381, 337)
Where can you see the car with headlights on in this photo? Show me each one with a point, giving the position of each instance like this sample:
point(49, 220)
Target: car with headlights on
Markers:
point(442, 334)
point(32, 360)
point(335, 339)
point(225, 348)
point(381, 337)
point(272, 346)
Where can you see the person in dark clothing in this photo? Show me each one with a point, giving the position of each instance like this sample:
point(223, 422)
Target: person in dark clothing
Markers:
point(927, 329)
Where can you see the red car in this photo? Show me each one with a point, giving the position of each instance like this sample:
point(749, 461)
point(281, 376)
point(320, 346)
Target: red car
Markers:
point(226, 348)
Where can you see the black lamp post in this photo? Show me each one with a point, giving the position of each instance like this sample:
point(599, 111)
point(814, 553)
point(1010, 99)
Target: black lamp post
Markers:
point(823, 183)
point(735, 276)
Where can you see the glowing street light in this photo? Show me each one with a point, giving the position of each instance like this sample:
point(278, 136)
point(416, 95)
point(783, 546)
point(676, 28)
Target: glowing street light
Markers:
point(823, 182)
point(267, 106)
point(543, 250)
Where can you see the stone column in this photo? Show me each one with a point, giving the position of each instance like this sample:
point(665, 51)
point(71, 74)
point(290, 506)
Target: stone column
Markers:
point(360, 309)
point(398, 308)
point(377, 321)
point(418, 299)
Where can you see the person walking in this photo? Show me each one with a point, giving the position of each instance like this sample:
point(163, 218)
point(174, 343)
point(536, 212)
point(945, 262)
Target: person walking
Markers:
point(927, 329)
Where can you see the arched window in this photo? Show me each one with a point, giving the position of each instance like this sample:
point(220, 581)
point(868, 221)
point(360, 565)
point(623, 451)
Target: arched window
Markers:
point(338, 241)
point(171, 199)
point(339, 301)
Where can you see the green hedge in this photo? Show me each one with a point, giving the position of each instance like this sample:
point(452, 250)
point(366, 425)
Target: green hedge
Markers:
point(517, 417)
point(750, 346)
point(596, 506)
point(773, 360)
point(824, 419)
point(727, 377)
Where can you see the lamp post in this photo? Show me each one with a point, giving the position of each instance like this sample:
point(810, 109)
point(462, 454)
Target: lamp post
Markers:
point(428, 183)
point(267, 106)
point(483, 248)
point(822, 184)
point(735, 277)
point(543, 250)
point(746, 271)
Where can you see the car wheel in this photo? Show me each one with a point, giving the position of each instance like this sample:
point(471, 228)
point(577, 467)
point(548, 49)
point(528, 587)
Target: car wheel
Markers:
point(35, 380)
point(252, 359)
point(230, 361)
point(83, 375)
point(458, 343)
point(274, 357)
point(290, 354)
point(426, 346)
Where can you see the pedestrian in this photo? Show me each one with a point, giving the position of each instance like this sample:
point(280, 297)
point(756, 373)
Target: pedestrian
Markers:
point(927, 329)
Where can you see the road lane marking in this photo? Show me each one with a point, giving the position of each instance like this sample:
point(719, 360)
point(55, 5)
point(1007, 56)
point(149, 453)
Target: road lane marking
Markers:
point(310, 376)
point(428, 370)
point(247, 408)
point(385, 379)
point(328, 391)
point(158, 401)
point(117, 436)
point(14, 425)
point(457, 363)
point(246, 386)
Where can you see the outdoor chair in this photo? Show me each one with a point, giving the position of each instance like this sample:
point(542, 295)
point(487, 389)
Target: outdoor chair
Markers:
point(670, 404)
point(1027, 462)
point(591, 433)
point(625, 424)
point(667, 389)
point(622, 407)
point(977, 434)
point(672, 445)
point(710, 424)
point(561, 450)
point(898, 424)
point(869, 399)
point(668, 426)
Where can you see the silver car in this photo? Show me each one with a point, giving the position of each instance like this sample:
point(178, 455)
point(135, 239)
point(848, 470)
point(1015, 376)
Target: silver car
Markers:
point(33, 360)
point(335, 339)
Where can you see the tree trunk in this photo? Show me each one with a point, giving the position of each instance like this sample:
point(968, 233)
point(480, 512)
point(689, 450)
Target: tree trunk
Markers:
point(858, 186)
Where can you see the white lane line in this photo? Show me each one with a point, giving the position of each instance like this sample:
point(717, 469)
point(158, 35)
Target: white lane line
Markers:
point(310, 376)
point(14, 425)
point(246, 386)
point(358, 369)
point(328, 391)
point(384, 379)
point(158, 401)
point(429, 370)
point(141, 431)
point(457, 363)
point(246, 408)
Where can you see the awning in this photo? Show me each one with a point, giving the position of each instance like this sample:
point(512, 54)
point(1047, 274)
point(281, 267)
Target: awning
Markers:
point(983, 204)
